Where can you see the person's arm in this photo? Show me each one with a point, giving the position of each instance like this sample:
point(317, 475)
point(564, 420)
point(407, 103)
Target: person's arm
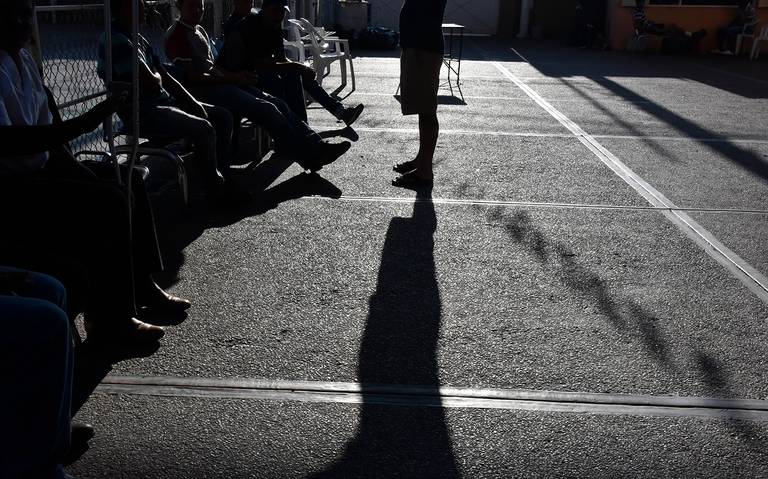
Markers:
point(188, 102)
point(19, 140)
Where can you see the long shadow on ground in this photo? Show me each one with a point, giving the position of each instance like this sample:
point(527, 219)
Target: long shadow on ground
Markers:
point(399, 346)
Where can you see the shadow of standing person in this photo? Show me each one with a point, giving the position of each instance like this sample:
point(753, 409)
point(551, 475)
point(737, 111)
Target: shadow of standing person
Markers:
point(399, 347)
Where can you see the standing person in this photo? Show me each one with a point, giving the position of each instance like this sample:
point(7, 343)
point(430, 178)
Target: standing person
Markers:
point(188, 45)
point(255, 44)
point(421, 39)
point(744, 22)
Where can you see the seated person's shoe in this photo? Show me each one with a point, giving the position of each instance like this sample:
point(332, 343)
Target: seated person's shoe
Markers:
point(81, 433)
point(127, 332)
point(350, 115)
point(156, 300)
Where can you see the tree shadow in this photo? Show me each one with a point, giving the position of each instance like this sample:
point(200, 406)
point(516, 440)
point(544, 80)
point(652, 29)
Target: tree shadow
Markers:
point(399, 347)
point(625, 315)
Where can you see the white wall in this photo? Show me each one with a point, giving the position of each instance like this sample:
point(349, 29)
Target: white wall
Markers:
point(479, 16)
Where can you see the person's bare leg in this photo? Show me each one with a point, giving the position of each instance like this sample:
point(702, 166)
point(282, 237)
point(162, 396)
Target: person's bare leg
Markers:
point(429, 129)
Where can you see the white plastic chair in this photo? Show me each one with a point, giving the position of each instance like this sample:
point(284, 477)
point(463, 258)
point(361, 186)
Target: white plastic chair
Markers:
point(296, 43)
point(323, 57)
point(756, 43)
point(741, 36)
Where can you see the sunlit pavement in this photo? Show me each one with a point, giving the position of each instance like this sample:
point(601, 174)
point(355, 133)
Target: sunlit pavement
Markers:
point(583, 282)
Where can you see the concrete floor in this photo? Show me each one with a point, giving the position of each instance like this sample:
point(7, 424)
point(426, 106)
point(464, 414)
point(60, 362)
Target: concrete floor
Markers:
point(531, 267)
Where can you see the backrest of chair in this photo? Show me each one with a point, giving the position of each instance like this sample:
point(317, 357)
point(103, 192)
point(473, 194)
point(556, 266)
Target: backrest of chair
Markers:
point(314, 38)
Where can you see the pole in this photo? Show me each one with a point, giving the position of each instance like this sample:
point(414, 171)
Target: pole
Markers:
point(218, 17)
point(108, 126)
point(525, 18)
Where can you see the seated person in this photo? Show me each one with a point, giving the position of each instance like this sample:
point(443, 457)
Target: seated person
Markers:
point(188, 45)
point(37, 349)
point(645, 26)
point(167, 109)
point(52, 206)
point(744, 22)
point(255, 44)
point(589, 24)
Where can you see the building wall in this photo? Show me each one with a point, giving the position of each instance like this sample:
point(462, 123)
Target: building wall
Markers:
point(688, 18)
point(479, 16)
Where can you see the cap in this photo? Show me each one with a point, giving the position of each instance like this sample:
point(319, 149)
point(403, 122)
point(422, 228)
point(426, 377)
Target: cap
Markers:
point(279, 3)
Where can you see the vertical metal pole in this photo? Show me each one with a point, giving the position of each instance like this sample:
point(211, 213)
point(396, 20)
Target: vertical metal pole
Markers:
point(37, 50)
point(108, 126)
point(218, 17)
point(525, 17)
point(136, 39)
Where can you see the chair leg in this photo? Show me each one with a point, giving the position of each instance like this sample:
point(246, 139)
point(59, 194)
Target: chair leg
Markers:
point(343, 67)
point(739, 40)
point(352, 71)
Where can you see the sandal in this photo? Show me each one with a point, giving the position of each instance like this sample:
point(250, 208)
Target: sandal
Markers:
point(404, 167)
point(411, 181)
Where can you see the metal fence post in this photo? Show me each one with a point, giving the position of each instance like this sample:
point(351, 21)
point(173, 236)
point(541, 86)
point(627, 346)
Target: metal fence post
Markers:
point(218, 17)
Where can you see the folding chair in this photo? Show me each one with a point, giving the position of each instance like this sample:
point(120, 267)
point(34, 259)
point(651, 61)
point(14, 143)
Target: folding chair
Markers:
point(757, 43)
point(745, 33)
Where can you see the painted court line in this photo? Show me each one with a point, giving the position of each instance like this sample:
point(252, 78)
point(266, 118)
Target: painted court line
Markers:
point(426, 396)
point(744, 272)
point(524, 204)
point(413, 131)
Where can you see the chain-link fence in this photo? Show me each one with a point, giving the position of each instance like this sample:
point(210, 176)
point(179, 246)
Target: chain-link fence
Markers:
point(68, 35)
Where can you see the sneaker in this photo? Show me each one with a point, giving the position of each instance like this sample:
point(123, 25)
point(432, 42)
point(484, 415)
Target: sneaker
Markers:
point(350, 115)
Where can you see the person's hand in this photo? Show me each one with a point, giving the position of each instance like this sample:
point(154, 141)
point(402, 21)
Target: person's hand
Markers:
point(247, 78)
point(307, 73)
point(197, 109)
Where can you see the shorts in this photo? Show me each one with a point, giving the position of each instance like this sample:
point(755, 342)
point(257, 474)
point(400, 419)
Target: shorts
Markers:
point(419, 80)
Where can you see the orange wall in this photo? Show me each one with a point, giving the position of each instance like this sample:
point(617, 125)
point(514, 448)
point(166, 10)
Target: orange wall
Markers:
point(688, 18)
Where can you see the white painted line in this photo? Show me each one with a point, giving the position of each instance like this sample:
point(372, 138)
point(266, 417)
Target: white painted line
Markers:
point(524, 204)
point(743, 271)
point(520, 55)
point(428, 396)
point(413, 131)
point(516, 98)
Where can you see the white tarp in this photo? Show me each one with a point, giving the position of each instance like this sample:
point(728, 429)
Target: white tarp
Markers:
point(479, 16)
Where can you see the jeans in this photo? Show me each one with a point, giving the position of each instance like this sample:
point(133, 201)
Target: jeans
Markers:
point(84, 221)
point(290, 88)
point(212, 137)
point(36, 354)
point(726, 33)
point(289, 132)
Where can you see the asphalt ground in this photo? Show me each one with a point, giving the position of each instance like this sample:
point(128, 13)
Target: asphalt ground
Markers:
point(531, 268)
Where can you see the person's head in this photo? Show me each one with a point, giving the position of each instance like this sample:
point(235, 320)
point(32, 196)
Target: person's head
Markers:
point(16, 24)
point(122, 10)
point(274, 12)
point(640, 3)
point(743, 4)
point(243, 7)
point(191, 11)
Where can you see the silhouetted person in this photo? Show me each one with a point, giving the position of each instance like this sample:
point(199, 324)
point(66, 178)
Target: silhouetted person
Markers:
point(421, 39)
point(255, 44)
point(644, 25)
point(53, 207)
point(188, 45)
point(744, 22)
